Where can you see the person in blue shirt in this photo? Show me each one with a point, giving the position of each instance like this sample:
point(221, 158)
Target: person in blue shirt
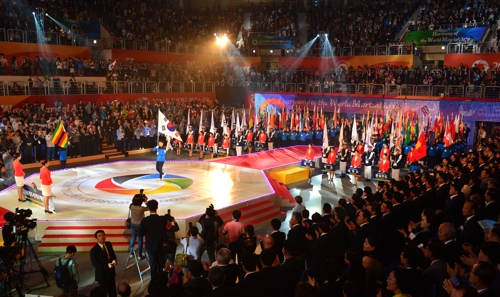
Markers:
point(303, 137)
point(285, 137)
point(293, 136)
point(432, 153)
point(319, 136)
point(277, 137)
point(309, 136)
point(63, 156)
point(161, 153)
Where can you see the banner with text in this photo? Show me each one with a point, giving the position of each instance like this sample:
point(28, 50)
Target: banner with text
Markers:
point(272, 42)
point(323, 64)
point(443, 37)
point(471, 110)
point(482, 61)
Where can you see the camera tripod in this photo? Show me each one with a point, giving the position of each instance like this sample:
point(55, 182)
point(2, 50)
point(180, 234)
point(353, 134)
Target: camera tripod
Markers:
point(9, 284)
point(28, 254)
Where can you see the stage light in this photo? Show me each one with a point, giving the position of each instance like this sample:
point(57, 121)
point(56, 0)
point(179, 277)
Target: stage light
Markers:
point(287, 51)
point(95, 41)
point(253, 51)
point(326, 35)
point(46, 14)
point(215, 34)
point(442, 47)
point(271, 51)
point(33, 13)
point(317, 35)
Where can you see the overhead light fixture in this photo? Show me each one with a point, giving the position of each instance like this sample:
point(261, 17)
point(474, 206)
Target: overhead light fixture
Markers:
point(271, 51)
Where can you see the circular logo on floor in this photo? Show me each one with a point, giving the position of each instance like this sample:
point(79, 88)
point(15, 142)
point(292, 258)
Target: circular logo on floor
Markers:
point(118, 183)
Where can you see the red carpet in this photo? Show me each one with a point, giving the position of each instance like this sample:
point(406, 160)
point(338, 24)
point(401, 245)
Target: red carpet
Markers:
point(271, 159)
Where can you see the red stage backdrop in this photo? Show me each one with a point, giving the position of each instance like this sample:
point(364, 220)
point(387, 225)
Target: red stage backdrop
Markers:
point(70, 101)
point(325, 63)
point(155, 57)
point(483, 61)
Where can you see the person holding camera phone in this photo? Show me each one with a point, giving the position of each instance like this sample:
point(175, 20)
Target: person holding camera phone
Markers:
point(136, 215)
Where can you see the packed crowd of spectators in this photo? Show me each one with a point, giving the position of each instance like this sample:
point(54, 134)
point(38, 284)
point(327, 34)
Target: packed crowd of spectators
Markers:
point(273, 19)
point(446, 14)
point(367, 24)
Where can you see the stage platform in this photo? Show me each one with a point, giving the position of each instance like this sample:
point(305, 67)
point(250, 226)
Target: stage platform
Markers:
point(97, 197)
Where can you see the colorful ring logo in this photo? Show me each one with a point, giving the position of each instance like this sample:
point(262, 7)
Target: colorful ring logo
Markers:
point(131, 184)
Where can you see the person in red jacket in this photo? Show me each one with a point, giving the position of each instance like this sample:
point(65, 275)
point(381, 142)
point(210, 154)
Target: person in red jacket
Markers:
point(355, 167)
point(331, 159)
point(201, 142)
point(226, 143)
point(262, 140)
point(310, 157)
point(384, 151)
point(46, 180)
point(384, 164)
point(178, 144)
point(249, 139)
point(211, 144)
point(19, 176)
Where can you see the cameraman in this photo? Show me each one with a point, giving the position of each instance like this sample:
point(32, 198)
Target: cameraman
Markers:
point(136, 215)
point(9, 238)
point(210, 222)
point(8, 162)
point(170, 245)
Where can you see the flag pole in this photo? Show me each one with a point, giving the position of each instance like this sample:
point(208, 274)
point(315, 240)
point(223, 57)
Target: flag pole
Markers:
point(158, 128)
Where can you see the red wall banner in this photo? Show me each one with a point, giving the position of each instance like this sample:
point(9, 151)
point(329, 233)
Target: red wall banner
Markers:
point(324, 63)
point(482, 61)
point(20, 50)
point(156, 57)
point(70, 101)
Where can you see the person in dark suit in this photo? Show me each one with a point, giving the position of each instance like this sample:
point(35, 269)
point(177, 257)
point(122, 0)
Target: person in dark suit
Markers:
point(492, 207)
point(330, 272)
point(271, 282)
point(411, 259)
point(436, 273)
point(442, 191)
point(447, 234)
point(216, 276)
point(153, 227)
point(291, 269)
point(357, 236)
point(471, 232)
point(103, 258)
point(417, 204)
point(297, 233)
point(400, 212)
point(249, 285)
point(340, 235)
point(430, 193)
point(278, 237)
point(482, 276)
point(320, 249)
point(451, 212)
point(193, 282)
point(375, 217)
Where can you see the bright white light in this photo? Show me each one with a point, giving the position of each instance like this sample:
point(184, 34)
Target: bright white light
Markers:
point(221, 41)
point(33, 13)
point(46, 14)
point(326, 35)
point(317, 35)
point(95, 41)
point(253, 51)
point(215, 34)
point(442, 47)
point(271, 51)
point(415, 48)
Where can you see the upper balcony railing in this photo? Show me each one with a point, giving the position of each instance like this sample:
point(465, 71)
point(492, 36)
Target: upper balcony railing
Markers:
point(16, 88)
point(55, 38)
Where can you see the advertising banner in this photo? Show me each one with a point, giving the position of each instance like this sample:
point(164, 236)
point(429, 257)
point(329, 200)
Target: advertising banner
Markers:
point(443, 37)
point(323, 64)
point(91, 29)
point(482, 61)
point(471, 110)
point(272, 42)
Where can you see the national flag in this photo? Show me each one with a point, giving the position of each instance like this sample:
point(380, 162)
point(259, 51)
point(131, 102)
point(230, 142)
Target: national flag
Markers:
point(244, 118)
point(111, 66)
point(201, 120)
point(60, 137)
point(447, 135)
point(341, 135)
point(354, 132)
point(256, 121)
point(166, 128)
point(189, 121)
point(251, 122)
point(212, 124)
point(238, 125)
point(233, 120)
point(420, 149)
point(222, 120)
point(325, 138)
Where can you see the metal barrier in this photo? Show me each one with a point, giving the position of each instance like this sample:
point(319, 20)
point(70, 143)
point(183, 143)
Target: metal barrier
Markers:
point(91, 87)
point(122, 87)
point(395, 49)
point(473, 91)
point(208, 87)
point(347, 51)
point(57, 88)
point(454, 48)
point(408, 90)
point(278, 87)
point(2, 89)
point(363, 89)
point(349, 89)
point(176, 87)
point(358, 51)
point(151, 87)
point(392, 90)
point(455, 91)
point(337, 88)
point(382, 50)
point(438, 90)
point(187, 87)
point(3, 34)
point(254, 87)
point(370, 51)
point(73, 87)
point(137, 87)
point(15, 35)
point(106, 87)
point(164, 87)
point(266, 87)
point(423, 90)
point(301, 87)
point(377, 89)
point(491, 92)
point(15, 88)
point(290, 87)
point(30, 37)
